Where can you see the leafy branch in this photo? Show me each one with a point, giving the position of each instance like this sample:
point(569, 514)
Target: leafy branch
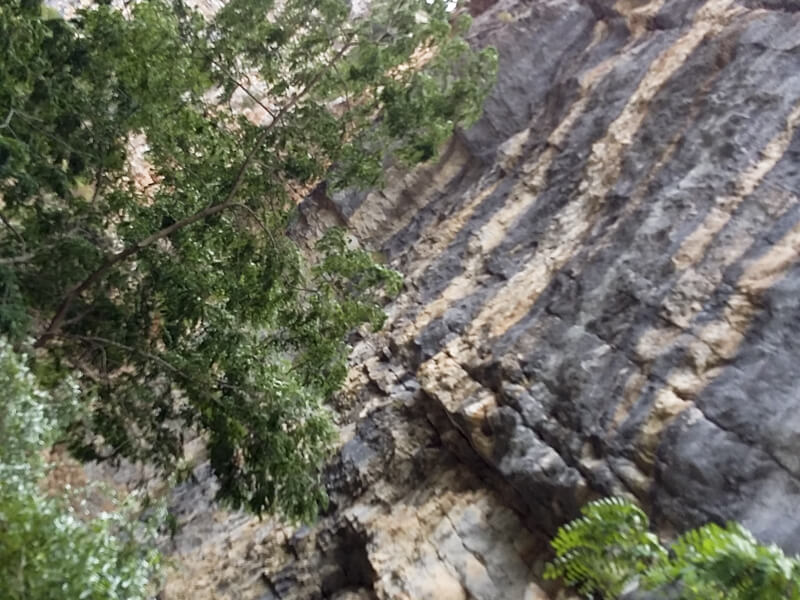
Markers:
point(230, 329)
point(609, 550)
point(226, 203)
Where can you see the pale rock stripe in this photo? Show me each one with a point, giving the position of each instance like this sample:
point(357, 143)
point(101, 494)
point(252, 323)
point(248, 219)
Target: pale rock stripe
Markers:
point(694, 247)
point(692, 288)
point(637, 14)
point(718, 341)
point(518, 201)
point(569, 227)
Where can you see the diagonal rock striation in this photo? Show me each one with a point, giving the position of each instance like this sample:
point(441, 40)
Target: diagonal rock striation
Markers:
point(602, 297)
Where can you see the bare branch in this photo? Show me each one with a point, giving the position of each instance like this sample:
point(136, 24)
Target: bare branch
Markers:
point(11, 228)
point(7, 120)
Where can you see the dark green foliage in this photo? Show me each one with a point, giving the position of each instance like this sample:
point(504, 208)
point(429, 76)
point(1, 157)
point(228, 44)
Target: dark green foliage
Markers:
point(181, 299)
point(610, 548)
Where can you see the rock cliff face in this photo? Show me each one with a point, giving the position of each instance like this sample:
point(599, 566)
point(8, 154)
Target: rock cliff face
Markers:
point(603, 296)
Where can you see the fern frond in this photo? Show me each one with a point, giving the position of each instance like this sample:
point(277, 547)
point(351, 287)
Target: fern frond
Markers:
point(728, 562)
point(606, 548)
point(610, 546)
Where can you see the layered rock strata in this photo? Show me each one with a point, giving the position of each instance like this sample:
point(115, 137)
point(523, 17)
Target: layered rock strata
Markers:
point(602, 274)
point(602, 288)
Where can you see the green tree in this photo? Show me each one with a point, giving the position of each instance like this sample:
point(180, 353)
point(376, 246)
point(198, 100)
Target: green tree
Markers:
point(181, 298)
point(610, 549)
point(51, 547)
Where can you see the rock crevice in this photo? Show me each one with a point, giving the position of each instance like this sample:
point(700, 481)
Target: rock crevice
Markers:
point(601, 297)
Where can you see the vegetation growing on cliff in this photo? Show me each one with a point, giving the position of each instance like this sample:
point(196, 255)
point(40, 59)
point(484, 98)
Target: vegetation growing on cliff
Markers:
point(173, 288)
point(610, 549)
point(58, 546)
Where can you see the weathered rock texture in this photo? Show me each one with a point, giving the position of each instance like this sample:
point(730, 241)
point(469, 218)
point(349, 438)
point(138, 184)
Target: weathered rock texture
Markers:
point(603, 296)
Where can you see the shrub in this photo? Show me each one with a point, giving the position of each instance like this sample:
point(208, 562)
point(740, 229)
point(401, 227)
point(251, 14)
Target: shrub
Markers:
point(55, 547)
point(610, 549)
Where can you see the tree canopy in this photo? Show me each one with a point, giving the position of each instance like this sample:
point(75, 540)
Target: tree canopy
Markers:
point(178, 295)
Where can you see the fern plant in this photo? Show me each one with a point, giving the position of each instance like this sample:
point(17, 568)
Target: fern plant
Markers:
point(606, 548)
point(715, 562)
point(610, 549)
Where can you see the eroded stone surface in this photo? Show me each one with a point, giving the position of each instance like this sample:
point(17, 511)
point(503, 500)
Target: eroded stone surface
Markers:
point(609, 304)
point(407, 521)
point(601, 297)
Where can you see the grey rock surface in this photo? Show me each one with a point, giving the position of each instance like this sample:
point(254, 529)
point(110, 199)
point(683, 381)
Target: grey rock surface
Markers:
point(602, 296)
point(628, 320)
point(602, 274)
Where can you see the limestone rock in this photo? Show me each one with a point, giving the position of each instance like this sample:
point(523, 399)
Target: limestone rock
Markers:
point(602, 285)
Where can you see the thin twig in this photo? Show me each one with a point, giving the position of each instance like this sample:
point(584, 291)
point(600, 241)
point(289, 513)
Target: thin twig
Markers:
point(242, 87)
point(98, 179)
point(258, 221)
point(79, 317)
point(15, 260)
point(29, 120)
point(144, 354)
point(7, 120)
point(11, 228)
point(131, 349)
